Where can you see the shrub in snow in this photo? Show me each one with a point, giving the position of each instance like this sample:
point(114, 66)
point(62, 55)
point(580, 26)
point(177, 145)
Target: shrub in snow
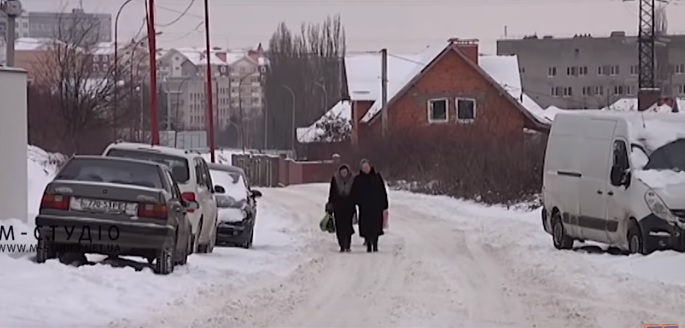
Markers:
point(494, 170)
point(334, 128)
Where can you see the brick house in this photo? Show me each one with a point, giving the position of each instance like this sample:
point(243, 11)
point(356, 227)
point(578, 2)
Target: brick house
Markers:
point(447, 90)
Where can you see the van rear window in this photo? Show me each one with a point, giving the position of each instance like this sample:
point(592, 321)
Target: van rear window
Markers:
point(178, 165)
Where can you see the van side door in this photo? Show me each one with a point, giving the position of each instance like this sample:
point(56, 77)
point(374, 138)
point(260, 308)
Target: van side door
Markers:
point(204, 191)
point(617, 196)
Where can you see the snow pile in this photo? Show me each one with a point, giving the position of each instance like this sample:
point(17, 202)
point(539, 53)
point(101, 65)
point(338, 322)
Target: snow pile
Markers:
point(341, 111)
point(222, 156)
point(660, 178)
point(42, 167)
point(57, 295)
point(654, 130)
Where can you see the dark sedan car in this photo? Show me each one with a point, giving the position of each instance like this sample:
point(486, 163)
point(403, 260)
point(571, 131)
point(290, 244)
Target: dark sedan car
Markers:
point(117, 207)
point(237, 206)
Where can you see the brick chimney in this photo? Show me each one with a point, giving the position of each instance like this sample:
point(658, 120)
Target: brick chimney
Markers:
point(469, 47)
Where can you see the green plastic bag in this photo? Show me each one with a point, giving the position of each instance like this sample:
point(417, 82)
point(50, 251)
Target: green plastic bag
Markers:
point(327, 223)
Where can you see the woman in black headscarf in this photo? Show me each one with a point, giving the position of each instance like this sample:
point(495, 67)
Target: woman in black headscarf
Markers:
point(341, 205)
point(370, 195)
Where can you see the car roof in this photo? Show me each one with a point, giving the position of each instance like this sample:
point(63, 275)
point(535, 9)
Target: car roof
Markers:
point(119, 159)
point(155, 148)
point(225, 168)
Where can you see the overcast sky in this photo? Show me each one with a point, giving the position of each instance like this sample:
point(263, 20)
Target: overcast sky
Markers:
point(399, 25)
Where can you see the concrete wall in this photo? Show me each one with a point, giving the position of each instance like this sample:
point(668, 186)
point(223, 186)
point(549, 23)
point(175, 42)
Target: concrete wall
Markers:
point(539, 56)
point(13, 144)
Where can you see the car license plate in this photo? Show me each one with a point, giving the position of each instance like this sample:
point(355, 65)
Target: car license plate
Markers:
point(100, 205)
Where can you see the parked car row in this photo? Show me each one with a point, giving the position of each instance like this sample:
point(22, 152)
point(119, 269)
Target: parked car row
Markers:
point(159, 203)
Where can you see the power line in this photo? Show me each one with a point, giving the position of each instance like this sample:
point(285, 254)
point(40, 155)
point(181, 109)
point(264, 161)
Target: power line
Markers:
point(182, 14)
point(179, 12)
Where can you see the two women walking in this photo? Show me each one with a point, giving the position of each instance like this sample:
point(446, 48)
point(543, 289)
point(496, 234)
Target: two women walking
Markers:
point(365, 191)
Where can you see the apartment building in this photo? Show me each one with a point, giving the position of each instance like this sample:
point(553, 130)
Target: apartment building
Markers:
point(96, 27)
point(237, 86)
point(21, 26)
point(585, 71)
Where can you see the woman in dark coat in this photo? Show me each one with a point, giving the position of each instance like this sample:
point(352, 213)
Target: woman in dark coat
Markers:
point(341, 205)
point(370, 195)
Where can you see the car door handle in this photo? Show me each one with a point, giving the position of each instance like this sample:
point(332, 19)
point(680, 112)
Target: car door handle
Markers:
point(599, 192)
point(611, 193)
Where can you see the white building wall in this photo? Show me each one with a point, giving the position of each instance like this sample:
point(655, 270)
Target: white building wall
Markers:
point(13, 145)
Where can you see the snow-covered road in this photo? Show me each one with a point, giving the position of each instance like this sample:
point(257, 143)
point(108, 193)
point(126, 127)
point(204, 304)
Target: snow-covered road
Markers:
point(442, 263)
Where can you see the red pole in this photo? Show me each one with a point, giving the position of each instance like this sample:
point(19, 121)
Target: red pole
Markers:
point(152, 45)
point(210, 102)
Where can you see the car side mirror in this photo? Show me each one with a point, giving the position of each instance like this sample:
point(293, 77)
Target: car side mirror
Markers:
point(219, 189)
point(256, 193)
point(192, 205)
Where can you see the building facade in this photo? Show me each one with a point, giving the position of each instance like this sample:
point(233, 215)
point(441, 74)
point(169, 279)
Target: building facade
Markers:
point(237, 87)
point(95, 27)
point(591, 72)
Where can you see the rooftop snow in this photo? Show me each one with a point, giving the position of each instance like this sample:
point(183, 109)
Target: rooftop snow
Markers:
point(32, 44)
point(630, 104)
point(312, 133)
point(197, 56)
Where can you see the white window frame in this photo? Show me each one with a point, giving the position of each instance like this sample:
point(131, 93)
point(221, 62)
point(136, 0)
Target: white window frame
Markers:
point(429, 107)
point(475, 109)
point(679, 69)
point(551, 71)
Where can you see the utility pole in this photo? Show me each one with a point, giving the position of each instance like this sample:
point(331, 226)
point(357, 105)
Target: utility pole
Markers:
point(152, 49)
point(648, 92)
point(384, 91)
point(11, 8)
point(210, 99)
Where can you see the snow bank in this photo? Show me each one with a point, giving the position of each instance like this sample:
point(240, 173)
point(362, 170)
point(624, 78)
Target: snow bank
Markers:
point(500, 227)
point(222, 156)
point(57, 295)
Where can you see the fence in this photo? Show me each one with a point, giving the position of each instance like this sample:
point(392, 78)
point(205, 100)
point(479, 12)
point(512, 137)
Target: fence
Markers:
point(273, 171)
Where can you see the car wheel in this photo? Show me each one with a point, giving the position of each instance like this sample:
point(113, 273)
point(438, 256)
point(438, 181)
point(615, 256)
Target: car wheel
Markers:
point(164, 262)
point(636, 242)
point(45, 251)
point(559, 237)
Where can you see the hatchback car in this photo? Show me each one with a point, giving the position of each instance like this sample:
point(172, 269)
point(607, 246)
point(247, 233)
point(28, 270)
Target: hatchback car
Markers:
point(237, 206)
point(191, 173)
point(116, 207)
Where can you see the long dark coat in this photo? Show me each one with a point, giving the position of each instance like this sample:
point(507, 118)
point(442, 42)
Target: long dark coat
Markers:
point(341, 204)
point(370, 195)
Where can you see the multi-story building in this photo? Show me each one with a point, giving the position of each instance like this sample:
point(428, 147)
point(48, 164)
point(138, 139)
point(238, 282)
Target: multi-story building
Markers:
point(90, 27)
point(21, 26)
point(237, 86)
point(591, 72)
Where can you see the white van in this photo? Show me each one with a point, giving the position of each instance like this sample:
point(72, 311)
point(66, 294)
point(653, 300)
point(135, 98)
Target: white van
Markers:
point(192, 175)
point(616, 178)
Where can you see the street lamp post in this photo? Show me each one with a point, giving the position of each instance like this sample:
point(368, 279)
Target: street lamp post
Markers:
point(116, 65)
point(12, 9)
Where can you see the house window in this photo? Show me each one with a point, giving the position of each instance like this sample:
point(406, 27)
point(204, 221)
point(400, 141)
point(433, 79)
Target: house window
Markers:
point(437, 110)
point(552, 71)
point(466, 110)
point(556, 91)
point(568, 92)
point(614, 70)
point(681, 89)
point(619, 90)
point(599, 90)
point(522, 70)
point(582, 70)
point(634, 70)
point(679, 69)
point(630, 90)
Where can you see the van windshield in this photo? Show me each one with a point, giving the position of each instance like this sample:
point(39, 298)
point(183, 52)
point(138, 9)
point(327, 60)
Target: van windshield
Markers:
point(668, 157)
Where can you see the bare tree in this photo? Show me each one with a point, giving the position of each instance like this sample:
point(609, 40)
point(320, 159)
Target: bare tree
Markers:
point(79, 86)
point(310, 64)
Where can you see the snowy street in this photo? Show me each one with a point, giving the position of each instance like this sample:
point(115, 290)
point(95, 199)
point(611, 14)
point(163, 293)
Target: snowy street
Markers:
point(443, 262)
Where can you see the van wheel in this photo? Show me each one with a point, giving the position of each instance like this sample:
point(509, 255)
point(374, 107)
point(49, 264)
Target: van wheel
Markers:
point(559, 237)
point(636, 242)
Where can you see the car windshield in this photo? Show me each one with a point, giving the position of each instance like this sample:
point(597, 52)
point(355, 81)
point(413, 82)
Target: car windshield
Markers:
point(179, 165)
point(112, 171)
point(236, 192)
point(668, 157)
